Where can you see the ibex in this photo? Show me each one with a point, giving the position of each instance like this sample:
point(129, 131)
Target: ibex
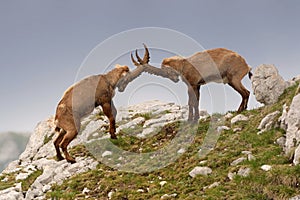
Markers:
point(80, 100)
point(216, 65)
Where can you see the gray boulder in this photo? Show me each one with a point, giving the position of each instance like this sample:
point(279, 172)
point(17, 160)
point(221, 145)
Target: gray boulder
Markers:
point(267, 84)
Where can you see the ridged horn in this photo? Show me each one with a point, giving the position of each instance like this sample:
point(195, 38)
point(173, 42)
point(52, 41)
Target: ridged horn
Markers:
point(138, 58)
point(134, 61)
point(146, 57)
point(141, 61)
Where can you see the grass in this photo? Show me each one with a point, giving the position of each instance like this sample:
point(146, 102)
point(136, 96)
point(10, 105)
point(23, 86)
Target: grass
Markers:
point(48, 138)
point(147, 115)
point(26, 183)
point(281, 182)
point(10, 181)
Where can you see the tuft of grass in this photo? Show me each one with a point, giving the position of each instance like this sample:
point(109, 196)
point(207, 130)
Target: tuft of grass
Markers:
point(80, 151)
point(10, 181)
point(26, 183)
point(48, 138)
point(147, 115)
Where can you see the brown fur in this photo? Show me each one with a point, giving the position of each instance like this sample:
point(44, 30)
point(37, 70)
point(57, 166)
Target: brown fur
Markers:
point(80, 100)
point(216, 65)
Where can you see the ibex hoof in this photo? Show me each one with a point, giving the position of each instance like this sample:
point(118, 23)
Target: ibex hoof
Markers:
point(72, 161)
point(113, 137)
point(59, 157)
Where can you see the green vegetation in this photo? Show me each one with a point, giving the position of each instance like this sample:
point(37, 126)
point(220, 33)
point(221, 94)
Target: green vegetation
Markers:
point(30, 179)
point(48, 138)
point(79, 151)
point(10, 180)
point(147, 115)
point(281, 182)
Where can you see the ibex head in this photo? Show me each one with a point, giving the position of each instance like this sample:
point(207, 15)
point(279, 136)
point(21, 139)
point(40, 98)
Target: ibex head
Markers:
point(140, 61)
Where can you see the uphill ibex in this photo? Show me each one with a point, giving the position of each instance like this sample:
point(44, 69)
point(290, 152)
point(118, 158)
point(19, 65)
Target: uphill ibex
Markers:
point(80, 100)
point(216, 65)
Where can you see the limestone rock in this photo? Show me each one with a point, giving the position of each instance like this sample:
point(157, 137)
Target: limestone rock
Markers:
point(237, 129)
point(231, 175)
point(267, 84)
point(296, 160)
point(238, 118)
point(162, 183)
point(266, 167)
point(132, 123)
point(44, 129)
point(203, 114)
point(181, 151)
point(292, 122)
point(168, 196)
point(221, 128)
point(213, 185)
point(267, 122)
point(283, 117)
point(228, 115)
point(295, 198)
point(200, 170)
point(238, 161)
point(293, 81)
point(244, 172)
point(106, 153)
point(281, 141)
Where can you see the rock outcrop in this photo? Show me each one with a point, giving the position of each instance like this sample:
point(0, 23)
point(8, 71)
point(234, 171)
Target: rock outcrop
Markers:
point(268, 122)
point(290, 121)
point(267, 84)
point(38, 157)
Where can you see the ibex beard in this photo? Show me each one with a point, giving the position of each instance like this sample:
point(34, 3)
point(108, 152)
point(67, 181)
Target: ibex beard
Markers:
point(80, 100)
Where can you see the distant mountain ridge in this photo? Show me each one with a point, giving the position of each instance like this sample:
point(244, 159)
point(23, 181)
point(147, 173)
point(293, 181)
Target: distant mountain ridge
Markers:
point(12, 144)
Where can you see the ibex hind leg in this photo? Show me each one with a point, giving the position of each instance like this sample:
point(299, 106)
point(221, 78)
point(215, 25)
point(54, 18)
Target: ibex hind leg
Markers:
point(68, 137)
point(237, 85)
point(57, 141)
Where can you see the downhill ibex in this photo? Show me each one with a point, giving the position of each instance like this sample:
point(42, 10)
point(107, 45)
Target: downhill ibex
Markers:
point(216, 65)
point(80, 100)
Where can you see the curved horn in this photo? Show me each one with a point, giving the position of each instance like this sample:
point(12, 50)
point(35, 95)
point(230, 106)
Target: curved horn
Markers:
point(137, 56)
point(146, 57)
point(134, 62)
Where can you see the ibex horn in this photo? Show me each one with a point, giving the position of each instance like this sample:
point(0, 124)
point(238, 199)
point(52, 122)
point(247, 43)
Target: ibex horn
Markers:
point(134, 62)
point(138, 58)
point(143, 61)
point(146, 57)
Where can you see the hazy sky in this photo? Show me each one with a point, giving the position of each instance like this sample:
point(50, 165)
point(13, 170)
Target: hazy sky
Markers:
point(43, 43)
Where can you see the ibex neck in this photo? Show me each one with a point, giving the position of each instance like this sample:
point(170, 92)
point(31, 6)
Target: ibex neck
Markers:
point(112, 79)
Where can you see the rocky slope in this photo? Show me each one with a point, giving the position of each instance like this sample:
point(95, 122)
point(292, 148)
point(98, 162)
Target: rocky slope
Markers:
point(252, 155)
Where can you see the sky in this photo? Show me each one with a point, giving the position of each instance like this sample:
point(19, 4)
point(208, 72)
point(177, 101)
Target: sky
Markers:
point(45, 44)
